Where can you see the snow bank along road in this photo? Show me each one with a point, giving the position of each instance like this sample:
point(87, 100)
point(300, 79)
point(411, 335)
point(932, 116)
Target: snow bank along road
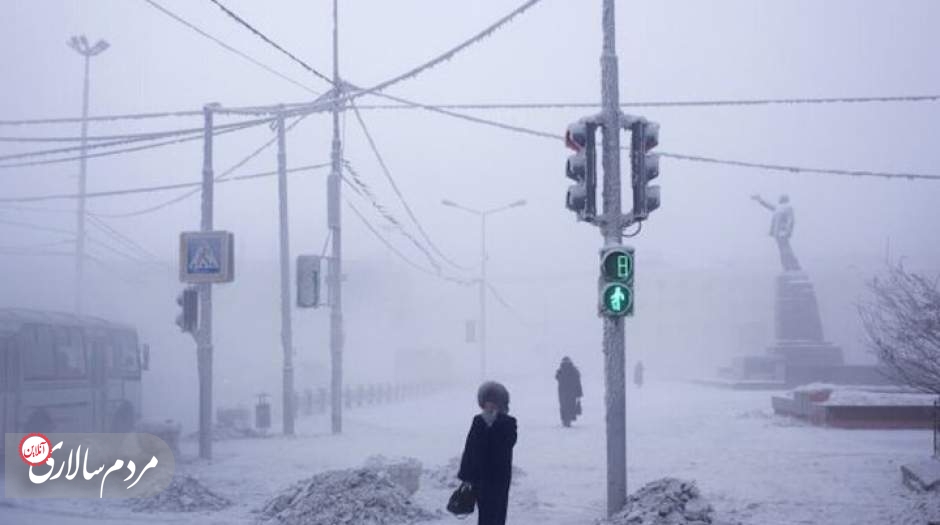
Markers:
point(754, 467)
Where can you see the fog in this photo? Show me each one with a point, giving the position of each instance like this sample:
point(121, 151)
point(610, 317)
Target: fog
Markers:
point(705, 263)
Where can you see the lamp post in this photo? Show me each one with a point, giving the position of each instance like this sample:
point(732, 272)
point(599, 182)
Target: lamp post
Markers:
point(482, 214)
point(81, 46)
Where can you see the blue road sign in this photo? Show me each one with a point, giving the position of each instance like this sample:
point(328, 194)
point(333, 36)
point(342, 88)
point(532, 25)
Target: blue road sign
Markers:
point(207, 257)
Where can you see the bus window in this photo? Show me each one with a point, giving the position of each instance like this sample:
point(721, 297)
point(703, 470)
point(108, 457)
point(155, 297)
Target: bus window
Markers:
point(36, 345)
point(69, 352)
point(4, 346)
point(125, 359)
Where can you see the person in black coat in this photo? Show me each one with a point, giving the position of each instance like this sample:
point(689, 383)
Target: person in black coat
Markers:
point(486, 463)
point(569, 391)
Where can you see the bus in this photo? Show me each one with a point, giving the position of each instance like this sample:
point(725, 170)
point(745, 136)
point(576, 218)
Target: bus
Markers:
point(66, 373)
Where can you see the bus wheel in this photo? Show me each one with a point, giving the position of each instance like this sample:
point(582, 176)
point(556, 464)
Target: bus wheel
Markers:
point(39, 422)
point(123, 420)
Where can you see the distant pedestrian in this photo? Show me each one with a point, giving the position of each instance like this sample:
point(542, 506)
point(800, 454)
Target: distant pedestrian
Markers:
point(486, 464)
point(638, 374)
point(569, 391)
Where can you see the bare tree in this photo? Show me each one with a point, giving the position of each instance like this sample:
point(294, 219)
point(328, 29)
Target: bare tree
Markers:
point(902, 321)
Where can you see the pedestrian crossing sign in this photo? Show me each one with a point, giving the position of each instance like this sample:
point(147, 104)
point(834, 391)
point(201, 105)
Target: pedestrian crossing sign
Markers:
point(207, 257)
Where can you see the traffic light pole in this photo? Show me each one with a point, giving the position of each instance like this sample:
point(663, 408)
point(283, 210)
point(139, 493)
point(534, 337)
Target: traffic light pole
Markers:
point(287, 337)
point(611, 229)
point(335, 263)
point(204, 339)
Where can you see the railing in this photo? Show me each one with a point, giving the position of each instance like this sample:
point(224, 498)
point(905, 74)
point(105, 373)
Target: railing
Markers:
point(318, 402)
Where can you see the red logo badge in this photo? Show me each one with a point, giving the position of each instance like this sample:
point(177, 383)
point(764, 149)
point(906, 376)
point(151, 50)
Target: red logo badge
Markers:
point(35, 449)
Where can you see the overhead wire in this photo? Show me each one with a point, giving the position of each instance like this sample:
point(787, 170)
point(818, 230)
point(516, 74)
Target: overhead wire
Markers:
point(118, 151)
point(231, 49)
point(270, 42)
point(396, 251)
point(231, 169)
point(401, 197)
point(363, 190)
point(672, 103)
point(446, 109)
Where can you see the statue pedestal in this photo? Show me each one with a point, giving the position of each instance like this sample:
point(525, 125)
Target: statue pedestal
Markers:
point(798, 326)
point(799, 354)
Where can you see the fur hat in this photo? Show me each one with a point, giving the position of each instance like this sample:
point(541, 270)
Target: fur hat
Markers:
point(495, 393)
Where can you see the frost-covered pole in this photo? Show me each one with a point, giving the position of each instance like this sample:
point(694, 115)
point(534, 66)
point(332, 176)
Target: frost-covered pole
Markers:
point(204, 340)
point(287, 337)
point(483, 297)
point(614, 362)
point(335, 266)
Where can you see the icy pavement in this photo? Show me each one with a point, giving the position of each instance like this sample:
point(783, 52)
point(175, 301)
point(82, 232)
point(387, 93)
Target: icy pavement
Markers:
point(750, 465)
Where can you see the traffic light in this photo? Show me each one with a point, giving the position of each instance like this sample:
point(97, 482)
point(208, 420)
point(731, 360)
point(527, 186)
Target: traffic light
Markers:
point(188, 318)
point(582, 168)
point(616, 284)
point(645, 167)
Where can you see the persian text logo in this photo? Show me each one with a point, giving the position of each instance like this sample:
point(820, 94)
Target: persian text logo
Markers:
point(132, 455)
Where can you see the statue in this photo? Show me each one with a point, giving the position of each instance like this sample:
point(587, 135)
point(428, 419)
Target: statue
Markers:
point(781, 229)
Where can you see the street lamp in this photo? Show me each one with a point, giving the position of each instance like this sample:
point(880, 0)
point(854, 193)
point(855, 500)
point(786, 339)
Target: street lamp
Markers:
point(81, 46)
point(482, 281)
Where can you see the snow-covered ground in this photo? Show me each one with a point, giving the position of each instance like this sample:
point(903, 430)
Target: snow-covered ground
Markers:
point(753, 466)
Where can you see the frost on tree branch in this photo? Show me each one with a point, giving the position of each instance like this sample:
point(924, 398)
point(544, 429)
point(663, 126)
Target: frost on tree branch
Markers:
point(902, 322)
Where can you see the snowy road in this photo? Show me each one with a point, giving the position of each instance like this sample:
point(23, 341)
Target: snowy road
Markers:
point(753, 466)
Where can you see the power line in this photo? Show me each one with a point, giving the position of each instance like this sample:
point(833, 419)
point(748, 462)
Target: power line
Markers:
point(677, 156)
point(363, 190)
point(672, 103)
point(145, 189)
point(270, 42)
point(118, 151)
point(799, 169)
point(220, 177)
point(132, 138)
point(397, 252)
point(229, 48)
point(401, 198)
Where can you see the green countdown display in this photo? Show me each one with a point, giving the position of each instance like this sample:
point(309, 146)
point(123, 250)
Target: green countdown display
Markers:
point(618, 265)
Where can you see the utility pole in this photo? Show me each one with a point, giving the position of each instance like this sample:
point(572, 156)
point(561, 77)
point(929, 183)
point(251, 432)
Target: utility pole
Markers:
point(80, 45)
point(335, 264)
point(204, 340)
point(287, 338)
point(483, 257)
point(482, 297)
point(611, 229)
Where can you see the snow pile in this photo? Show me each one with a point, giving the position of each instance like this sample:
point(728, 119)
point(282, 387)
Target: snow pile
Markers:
point(355, 496)
point(405, 472)
point(183, 494)
point(445, 476)
point(667, 501)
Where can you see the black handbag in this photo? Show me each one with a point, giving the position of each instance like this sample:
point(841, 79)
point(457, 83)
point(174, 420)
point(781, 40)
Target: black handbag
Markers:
point(462, 501)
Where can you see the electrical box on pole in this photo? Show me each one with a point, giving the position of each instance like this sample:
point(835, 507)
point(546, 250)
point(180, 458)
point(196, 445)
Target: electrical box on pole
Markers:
point(308, 281)
point(616, 283)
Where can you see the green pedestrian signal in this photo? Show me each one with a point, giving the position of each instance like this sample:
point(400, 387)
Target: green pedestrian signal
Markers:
point(616, 283)
point(618, 299)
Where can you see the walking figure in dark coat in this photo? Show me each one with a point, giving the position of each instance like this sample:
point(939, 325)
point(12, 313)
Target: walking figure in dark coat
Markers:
point(569, 391)
point(487, 456)
point(638, 374)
